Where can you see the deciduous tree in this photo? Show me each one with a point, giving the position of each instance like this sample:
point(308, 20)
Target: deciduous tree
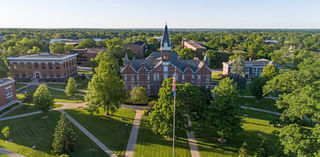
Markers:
point(71, 88)
point(138, 95)
point(42, 98)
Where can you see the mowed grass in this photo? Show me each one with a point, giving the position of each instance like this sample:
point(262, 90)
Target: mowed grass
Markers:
point(27, 108)
point(60, 86)
point(29, 131)
point(151, 144)
point(266, 104)
point(112, 131)
point(256, 127)
point(19, 85)
point(60, 96)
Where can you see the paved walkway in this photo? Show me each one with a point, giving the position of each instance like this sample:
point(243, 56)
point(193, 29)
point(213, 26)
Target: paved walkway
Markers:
point(9, 153)
point(93, 138)
point(192, 141)
point(267, 97)
point(260, 110)
point(21, 115)
point(13, 108)
point(134, 134)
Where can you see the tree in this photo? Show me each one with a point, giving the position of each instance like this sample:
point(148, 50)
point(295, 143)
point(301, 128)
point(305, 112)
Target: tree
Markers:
point(34, 49)
point(138, 95)
point(68, 47)
point(5, 132)
point(42, 98)
point(161, 117)
point(101, 44)
point(57, 47)
point(105, 90)
point(86, 43)
point(64, 138)
point(105, 56)
point(3, 69)
point(187, 53)
point(225, 113)
point(261, 151)
point(243, 151)
point(256, 87)
point(270, 71)
point(237, 69)
point(71, 89)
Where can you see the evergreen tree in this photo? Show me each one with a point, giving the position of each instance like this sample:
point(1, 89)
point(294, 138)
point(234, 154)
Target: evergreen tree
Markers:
point(42, 98)
point(71, 89)
point(225, 113)
point(64, 137)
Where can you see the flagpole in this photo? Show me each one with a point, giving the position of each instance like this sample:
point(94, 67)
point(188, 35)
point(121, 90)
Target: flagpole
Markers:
point(174, 113)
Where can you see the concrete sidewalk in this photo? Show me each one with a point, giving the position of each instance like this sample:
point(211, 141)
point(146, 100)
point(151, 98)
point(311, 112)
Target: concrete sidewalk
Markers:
point(192, 141)
point(93, 138)
point(21, 115)
point(134, 134)
point(9, 153)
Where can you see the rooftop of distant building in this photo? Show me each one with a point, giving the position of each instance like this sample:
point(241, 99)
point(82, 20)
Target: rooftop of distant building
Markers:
point(4, 81)
point(43, 55)
point(194, 44)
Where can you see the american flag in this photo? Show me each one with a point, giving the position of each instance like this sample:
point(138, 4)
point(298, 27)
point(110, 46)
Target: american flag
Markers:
point(174, 85)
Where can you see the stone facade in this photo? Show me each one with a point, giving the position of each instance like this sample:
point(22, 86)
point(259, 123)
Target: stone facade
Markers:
point(43, 67)
point(7, 91)
point(252, 68)
point(150, 72)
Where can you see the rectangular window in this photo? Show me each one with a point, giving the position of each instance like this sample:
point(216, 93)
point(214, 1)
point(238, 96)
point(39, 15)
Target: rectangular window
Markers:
point(50, 66)
point(165, 75)
point(182, 77)
point(43, 65)
point(154, 77)
point(57, 65)
point(9, 90)
point(14, 65)
point(207, 78)
point(165, 68)
point(192, 80)
point(148, 77)
point(132, 86)
point(132, 78)
point(125, 77)
point(36, 65)
point(148, 86)
point(199, 78)
point(137, 77)
point(177, 76)
point(29, 66)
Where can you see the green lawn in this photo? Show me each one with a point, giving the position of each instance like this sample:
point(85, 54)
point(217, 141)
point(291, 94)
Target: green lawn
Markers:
point(86, 72)
point(217, 75)
point(60, 96)
point(61, 86)
point(19, 85)
point(112, 131)
point(256, 127)
point(33, 130)
point(246, 91)
point(150, 144)
point(27, 108)
point(266, 104)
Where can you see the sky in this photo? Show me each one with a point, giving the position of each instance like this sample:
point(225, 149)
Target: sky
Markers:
point(154, 13)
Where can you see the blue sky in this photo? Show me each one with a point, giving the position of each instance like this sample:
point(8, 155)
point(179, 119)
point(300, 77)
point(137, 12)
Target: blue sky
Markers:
point(153, 14)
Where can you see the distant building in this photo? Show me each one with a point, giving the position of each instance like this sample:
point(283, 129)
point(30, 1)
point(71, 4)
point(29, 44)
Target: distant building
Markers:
point(151, 71)
point(194, 46)
point(67, 41)
point(252, 68)
point(137, 48)
point(85, 55)
point(43, 66)
point(7, 92)
point(271, 41)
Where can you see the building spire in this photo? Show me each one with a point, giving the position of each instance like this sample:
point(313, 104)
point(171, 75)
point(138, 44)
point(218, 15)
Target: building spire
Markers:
point(126, 59)
point(165, 42)
point(206, 59)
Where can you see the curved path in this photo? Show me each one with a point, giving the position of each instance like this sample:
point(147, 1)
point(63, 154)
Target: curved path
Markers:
point(9, 153)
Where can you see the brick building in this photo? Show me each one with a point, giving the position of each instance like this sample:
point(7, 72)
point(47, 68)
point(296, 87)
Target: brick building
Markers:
point(194, 46)
point(43, 66)
point(150, 72)
point(85, 55)
point(7, 92)
point(252, 68)
point(137, 48)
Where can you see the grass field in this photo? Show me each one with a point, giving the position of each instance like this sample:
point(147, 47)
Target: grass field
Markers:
point(61, 86)
point(86, 72)
point(27, 108)
point(256, 128)
point(33, 130)
point(217, 75)
point(266, 104)
point(150, 144)
point(19, 85)
point(112, 131)
point(60, 96)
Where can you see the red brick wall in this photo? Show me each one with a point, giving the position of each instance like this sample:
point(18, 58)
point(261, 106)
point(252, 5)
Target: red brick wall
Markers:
point(3, 97)
point(137, 49)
